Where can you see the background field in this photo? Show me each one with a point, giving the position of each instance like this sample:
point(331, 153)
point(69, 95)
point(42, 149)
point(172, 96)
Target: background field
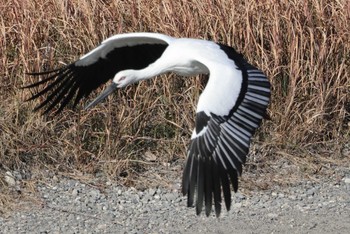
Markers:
point(302, 46)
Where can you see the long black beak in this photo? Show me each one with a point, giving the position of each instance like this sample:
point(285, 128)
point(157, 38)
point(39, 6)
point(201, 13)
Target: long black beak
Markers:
point(110, 89)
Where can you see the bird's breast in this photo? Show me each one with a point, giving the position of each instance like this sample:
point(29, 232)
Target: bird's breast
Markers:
point(222, 91)
point(190, 69)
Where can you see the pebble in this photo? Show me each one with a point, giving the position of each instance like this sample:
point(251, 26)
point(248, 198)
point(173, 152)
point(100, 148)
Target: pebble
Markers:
point(272, 215)
point(94, 194)
point(311, 192)
point(237, 205)
point(171, 196)
point(9, 179)
point(75, 192)
point(72, 207)
point(151, 191)
point(239, 197)
point(119, 192)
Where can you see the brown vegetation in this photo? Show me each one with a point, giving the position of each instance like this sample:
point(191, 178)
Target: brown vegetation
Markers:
point(302, 46)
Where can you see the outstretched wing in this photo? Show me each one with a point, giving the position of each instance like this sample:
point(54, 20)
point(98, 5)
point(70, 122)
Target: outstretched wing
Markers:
point(79, 79)
point(219, 148)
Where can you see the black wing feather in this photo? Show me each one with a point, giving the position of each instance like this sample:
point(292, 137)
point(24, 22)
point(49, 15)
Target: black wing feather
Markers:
point(225, 186)
point(222, 142)
point(200, 185)
point(193, 181)
point(208, 185)
point(216, 184)
point(76, 81)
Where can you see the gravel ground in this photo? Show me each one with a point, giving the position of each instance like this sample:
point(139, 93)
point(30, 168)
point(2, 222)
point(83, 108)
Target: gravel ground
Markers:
point(70, 206)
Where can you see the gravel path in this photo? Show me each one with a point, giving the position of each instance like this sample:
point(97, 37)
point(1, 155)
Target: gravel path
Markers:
point(70, 206)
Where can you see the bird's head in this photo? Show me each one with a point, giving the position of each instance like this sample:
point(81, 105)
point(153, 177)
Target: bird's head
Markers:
point(120, 80)
point(124, 78)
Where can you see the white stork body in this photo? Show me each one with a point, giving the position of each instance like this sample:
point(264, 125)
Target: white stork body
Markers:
point(229, 110)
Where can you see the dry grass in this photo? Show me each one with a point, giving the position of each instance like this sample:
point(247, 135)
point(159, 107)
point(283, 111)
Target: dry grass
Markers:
point(302, 46)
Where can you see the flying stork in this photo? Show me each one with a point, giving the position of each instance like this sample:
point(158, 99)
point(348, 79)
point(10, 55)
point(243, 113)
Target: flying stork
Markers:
point(229, 109)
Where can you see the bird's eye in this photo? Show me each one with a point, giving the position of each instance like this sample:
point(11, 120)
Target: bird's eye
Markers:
point(122, 78)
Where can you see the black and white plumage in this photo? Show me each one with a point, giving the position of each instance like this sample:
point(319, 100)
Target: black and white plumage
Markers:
point(229, 110)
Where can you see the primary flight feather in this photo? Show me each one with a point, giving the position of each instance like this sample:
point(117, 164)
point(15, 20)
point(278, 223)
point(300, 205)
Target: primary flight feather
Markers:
point(229, 109)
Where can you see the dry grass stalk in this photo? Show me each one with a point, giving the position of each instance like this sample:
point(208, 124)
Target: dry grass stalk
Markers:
point(302, 46)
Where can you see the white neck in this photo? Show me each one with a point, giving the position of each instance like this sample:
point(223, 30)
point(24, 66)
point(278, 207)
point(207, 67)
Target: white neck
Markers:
point(150, 71)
